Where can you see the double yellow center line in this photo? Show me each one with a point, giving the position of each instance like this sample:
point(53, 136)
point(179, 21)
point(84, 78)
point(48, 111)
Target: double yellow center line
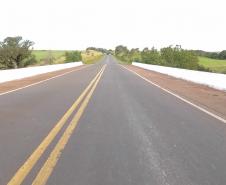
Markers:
point(50, 163)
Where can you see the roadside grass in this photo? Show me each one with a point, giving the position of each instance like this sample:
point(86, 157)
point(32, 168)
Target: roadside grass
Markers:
point(91, 56)
point(45, 57)
point(218, 66)
point(123, 62)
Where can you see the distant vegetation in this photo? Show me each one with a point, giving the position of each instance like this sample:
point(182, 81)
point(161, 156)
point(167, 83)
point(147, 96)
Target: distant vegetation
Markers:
point(46, 57)
point(73, 56)
point(175, 57)
point(215, 65)
point(88, 56)
point(91, 56)
point(127, 56)
point(102, 50)
point(168, 56)
point(15, 53)
point(214, 55)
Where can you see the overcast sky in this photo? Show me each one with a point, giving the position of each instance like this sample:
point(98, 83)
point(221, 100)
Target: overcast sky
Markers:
point(77, 24)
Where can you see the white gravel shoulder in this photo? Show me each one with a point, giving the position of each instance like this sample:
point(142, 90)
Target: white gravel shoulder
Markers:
point(214, 80)
point(15, 74)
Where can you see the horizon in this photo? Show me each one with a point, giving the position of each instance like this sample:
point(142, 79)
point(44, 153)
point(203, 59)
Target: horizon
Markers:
point(140, 49)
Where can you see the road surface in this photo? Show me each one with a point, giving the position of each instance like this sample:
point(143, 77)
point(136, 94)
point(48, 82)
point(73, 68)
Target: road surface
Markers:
point(124, 131)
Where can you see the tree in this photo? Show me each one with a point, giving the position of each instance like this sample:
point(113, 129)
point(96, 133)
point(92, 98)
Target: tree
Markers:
point(122, 53)
point(222, 54)
point(134, 55)
point(121, 50)
point(16, 52)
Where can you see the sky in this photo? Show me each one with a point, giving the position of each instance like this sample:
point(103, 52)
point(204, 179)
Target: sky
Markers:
point(78, 24)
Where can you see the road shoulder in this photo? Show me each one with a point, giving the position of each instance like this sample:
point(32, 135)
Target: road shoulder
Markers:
point(208, 98)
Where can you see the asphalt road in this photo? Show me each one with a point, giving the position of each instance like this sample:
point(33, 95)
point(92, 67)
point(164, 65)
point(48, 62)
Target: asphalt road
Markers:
point(125, 131)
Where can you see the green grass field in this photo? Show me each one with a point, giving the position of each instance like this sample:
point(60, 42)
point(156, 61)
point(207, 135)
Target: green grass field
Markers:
point(42, 56)
point(218, 66)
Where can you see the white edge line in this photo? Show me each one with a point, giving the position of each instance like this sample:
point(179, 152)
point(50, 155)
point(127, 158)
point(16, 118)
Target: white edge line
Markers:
point(20, 88)
point(179, 97)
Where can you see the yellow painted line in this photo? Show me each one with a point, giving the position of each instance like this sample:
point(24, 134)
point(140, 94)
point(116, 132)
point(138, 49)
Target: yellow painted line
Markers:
point(50, 163)
point(23, 171)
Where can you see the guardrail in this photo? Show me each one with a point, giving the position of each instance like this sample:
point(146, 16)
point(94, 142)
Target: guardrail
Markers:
point(214, 80)
point(15, 74)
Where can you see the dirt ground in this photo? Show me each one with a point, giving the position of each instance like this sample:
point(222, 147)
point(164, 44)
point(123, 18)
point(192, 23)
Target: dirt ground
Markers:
point(206, 97)
point(15, 84)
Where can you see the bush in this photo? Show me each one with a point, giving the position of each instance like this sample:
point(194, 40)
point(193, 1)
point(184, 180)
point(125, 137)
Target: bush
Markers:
point(134, 55)
point(73, 56)
point(202, 68)
point(177, 57)
point(151, 56)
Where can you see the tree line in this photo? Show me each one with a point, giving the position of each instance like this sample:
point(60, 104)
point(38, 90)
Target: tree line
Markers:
point(168, 56)
point(102, 50)
point(214, 55)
